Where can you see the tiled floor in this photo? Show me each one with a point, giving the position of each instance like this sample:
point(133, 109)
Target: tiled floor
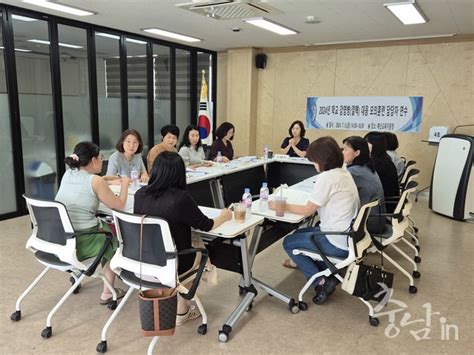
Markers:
point(340, 325)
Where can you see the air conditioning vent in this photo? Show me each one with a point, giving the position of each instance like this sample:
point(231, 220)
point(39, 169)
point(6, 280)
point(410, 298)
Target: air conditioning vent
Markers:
point(229, 10)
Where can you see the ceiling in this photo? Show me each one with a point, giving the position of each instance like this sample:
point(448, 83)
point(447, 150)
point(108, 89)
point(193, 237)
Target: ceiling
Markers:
point(341, 21)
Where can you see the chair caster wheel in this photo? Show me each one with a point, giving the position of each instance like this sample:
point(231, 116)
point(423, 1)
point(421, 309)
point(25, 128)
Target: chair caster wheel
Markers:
point(293, 306)
point(416, 274)
point(416, 229)
point(202, 329)
point(241, 291)
point(417, 247)
point(250, 306)
point(374, 321)
point(101, 347)
point(47, 332)
point(303, 306)
point(15, 316)
point(412, 289)
point(112, 305)
point(417, 259)
point(224, 333)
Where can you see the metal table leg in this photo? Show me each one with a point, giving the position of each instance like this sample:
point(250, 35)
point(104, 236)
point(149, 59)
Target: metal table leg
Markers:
point(251, 293)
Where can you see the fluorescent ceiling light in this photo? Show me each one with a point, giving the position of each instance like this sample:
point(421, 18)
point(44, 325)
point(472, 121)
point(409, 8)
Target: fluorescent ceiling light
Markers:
point(59, 7)
point(173, 35)
point(271, 26)
point(135, 41)
point(107, 35)
point(23, 18)
point(407, 12)
point(60, 44)
point(20, 49)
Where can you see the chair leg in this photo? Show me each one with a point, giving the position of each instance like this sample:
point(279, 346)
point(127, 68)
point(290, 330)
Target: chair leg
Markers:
point(16, 316)
point(102, 346)
point(152, 345)
point(47, 332)
point(411, 246)
point(412, 287)
point(374, 321)
point(402, 253)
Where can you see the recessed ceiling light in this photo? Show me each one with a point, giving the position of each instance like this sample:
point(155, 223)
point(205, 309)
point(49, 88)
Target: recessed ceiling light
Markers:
point(271, 26)
point(135, 41)
point(40, 41)
point(173, 35)
point(23, 18)
point(407, 12)
point(107, 35)
point(59, 7)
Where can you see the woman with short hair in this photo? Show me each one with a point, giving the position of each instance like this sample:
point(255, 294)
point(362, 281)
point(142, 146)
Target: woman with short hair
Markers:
point(336, 200)
point(295, 144)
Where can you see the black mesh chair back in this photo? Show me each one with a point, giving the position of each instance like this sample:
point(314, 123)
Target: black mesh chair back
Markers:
point(153, 249)
point(50, 219)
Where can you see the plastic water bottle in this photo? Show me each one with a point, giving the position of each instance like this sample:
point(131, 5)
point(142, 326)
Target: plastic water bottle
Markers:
point(134, 177)
point(265, 152)
point(264, 192)
point(219, 157)
point(247, 198)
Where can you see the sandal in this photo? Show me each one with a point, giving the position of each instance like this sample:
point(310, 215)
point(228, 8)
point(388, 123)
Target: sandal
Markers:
point(289, 264)
point(120, 293)
point(191, 313)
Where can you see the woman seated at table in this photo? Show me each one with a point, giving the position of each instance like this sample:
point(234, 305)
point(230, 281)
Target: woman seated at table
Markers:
point(169, 136)
point(128, 157)
point(336, 200)
point(392, 146)
point(81, 191)
point(191, 149)
point(166, 197)
point(359, 164)
point(225, 134)
point(383, 166)
point(295, 145)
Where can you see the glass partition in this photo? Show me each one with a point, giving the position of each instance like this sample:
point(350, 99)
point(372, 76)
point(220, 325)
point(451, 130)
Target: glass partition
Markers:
point(7, 177)
point(33, 70)
point(183, 96)
point(137, 88)
point(74, 86)
point(107, 47)
point(161, 89)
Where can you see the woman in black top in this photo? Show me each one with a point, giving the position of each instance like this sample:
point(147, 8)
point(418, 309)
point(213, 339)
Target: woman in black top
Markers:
point(384, 166)
point(225, 134)
point(166, 197)
point(295, 145)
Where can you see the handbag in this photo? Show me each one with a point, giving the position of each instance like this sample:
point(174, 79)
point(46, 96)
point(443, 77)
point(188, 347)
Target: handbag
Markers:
point(367, 282)
point(158, 307)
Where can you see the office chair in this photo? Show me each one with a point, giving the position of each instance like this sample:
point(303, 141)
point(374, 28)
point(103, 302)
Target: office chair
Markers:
point(158, 267)
point(53, 241)
point(359, 241)
point(408, 166)
point(398, 224)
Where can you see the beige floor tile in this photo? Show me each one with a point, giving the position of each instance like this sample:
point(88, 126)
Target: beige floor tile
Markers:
point(341, 325)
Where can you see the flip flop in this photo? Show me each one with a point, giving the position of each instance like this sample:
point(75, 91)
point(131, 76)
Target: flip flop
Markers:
point(120, 293)
point(289, 264)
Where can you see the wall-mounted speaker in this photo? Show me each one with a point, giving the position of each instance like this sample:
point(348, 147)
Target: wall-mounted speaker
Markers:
point(261, 61)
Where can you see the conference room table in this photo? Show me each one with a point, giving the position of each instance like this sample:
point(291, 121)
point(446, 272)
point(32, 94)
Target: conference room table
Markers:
point(228, 244)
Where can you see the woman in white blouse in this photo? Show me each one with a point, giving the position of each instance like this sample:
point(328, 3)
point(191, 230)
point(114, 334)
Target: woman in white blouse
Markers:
point(191, 149)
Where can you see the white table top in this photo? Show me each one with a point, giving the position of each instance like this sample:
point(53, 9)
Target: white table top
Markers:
point(229, 229)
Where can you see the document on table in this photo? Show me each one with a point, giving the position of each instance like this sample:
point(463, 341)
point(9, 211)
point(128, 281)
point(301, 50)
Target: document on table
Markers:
point(210, 212)
point(194, 173)
point(295, 197)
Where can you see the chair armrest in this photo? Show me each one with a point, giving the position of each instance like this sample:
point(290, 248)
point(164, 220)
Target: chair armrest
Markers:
point(202, 264)
point(107, 241)
point(315, 243)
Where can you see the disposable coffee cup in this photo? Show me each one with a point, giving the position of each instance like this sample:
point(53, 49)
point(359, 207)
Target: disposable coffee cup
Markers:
point(240, 212)
point(280, 204)
point(270, 154)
